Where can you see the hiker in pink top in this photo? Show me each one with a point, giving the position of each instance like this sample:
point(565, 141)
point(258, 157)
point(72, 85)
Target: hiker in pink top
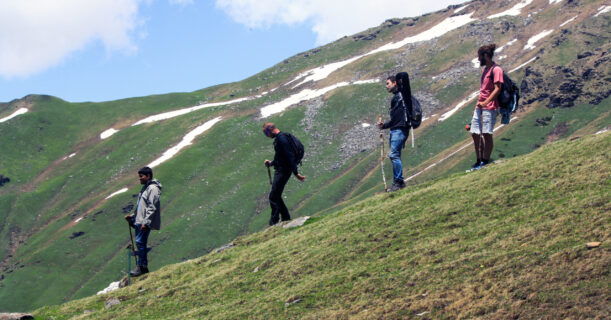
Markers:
point(486, 110)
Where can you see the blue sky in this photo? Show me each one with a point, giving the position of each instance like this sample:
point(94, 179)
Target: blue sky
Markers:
point(99, 50)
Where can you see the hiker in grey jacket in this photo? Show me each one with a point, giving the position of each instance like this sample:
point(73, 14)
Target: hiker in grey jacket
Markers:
point(147, 217)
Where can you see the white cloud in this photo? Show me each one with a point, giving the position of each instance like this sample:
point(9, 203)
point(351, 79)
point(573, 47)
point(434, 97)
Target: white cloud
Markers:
point(330, 19)
point(38, 34)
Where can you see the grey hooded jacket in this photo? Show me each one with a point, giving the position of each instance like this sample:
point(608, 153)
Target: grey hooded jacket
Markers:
point(148, 208)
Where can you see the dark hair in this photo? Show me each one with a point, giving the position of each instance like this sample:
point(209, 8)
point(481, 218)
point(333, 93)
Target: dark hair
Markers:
point(269, 125)
point(146, 171)
point(392, 78)
point(488, 49)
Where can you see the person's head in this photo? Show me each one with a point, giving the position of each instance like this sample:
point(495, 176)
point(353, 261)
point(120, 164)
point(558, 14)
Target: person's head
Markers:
point(391, 84)
point(145, 175)
point(270, 130)
point(485, 54)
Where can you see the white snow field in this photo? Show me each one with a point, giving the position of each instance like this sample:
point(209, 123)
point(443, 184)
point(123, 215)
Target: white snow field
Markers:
point(438, 30)
point(306, 94)
point(568, 21)
point(186, 140)
point(14, 114)
point(530, 44)
point(448, 114)
point(108, 133)
point(522, 65)
point(116, 193)
point(603, 9)
point(514, 11)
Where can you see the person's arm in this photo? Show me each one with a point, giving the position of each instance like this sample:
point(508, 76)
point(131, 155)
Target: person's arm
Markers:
point(497, 77)
point(151, 202)
point(493, 95)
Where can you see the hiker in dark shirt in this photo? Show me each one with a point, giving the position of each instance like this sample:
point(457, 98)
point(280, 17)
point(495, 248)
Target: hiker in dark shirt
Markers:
point(399, 131)
point(284, 165)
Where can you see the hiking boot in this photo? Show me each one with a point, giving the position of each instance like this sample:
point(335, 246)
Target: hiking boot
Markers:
point(395, 187)
point(139, 271)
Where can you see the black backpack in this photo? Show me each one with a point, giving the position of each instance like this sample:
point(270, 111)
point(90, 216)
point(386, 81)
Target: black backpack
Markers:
point(297, 146)
point(510, 94)
point(413, 112)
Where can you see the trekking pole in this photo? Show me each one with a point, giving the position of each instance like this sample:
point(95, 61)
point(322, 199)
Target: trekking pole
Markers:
point(269, 175)
point(131, 238)
point(129, 263)
point(382, 154)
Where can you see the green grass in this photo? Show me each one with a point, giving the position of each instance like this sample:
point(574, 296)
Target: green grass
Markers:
point(504, 242)
point(216, 190)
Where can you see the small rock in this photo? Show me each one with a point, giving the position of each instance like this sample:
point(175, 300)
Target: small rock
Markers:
point(15, 316)
point(292, 302)
point(296, 223)
point(111, 302)
point(592, 245)
point(225, 247)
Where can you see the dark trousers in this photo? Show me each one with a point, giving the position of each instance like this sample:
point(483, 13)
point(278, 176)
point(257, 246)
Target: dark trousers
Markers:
point(279, 209)
point(141, 239)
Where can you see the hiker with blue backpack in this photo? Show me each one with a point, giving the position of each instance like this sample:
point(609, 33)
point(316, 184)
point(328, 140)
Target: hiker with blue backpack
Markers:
point(405, 113)
point(289, 152)
point(486, 109)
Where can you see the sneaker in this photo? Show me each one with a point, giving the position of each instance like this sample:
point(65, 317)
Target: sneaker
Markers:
point(476, 166)
point(138, 271)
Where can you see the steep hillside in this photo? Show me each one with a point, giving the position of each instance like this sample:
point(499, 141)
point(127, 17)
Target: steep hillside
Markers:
point(507, 242)
point(68, 169)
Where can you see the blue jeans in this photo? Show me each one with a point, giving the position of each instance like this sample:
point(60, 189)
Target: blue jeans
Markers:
point(141, 239)
point(397, 142)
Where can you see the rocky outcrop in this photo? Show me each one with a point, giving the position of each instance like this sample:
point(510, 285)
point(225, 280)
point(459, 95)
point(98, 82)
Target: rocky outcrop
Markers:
point(584, 80)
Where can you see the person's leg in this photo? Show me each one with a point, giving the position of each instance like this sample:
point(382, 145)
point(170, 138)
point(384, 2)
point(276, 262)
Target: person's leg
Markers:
point(397, 141)
point(488, 146)
point(275, 197)
point(488, 122)
point(141, 240)
point(476, 132)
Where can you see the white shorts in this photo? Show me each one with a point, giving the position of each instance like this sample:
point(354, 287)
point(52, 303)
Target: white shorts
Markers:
point(488, 119)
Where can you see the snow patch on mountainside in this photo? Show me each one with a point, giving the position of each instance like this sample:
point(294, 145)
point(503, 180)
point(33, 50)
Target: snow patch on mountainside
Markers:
point(448, 114)
point(603, 9)
point(108, 133)
point(438, 30)
point(305, 94)
point(14, 114)
point(522, 65)
point(116, 193)
point(568, 21)
point(534, 39)
point(514, 11)
point(186, 141)
point(180, 112)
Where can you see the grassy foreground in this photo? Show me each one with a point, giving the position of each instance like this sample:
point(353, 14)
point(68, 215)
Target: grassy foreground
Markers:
point(507, 242)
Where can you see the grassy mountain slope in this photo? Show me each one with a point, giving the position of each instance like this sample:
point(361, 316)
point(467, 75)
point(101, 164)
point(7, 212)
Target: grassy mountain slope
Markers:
point(504, 242)
point(216, 189)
